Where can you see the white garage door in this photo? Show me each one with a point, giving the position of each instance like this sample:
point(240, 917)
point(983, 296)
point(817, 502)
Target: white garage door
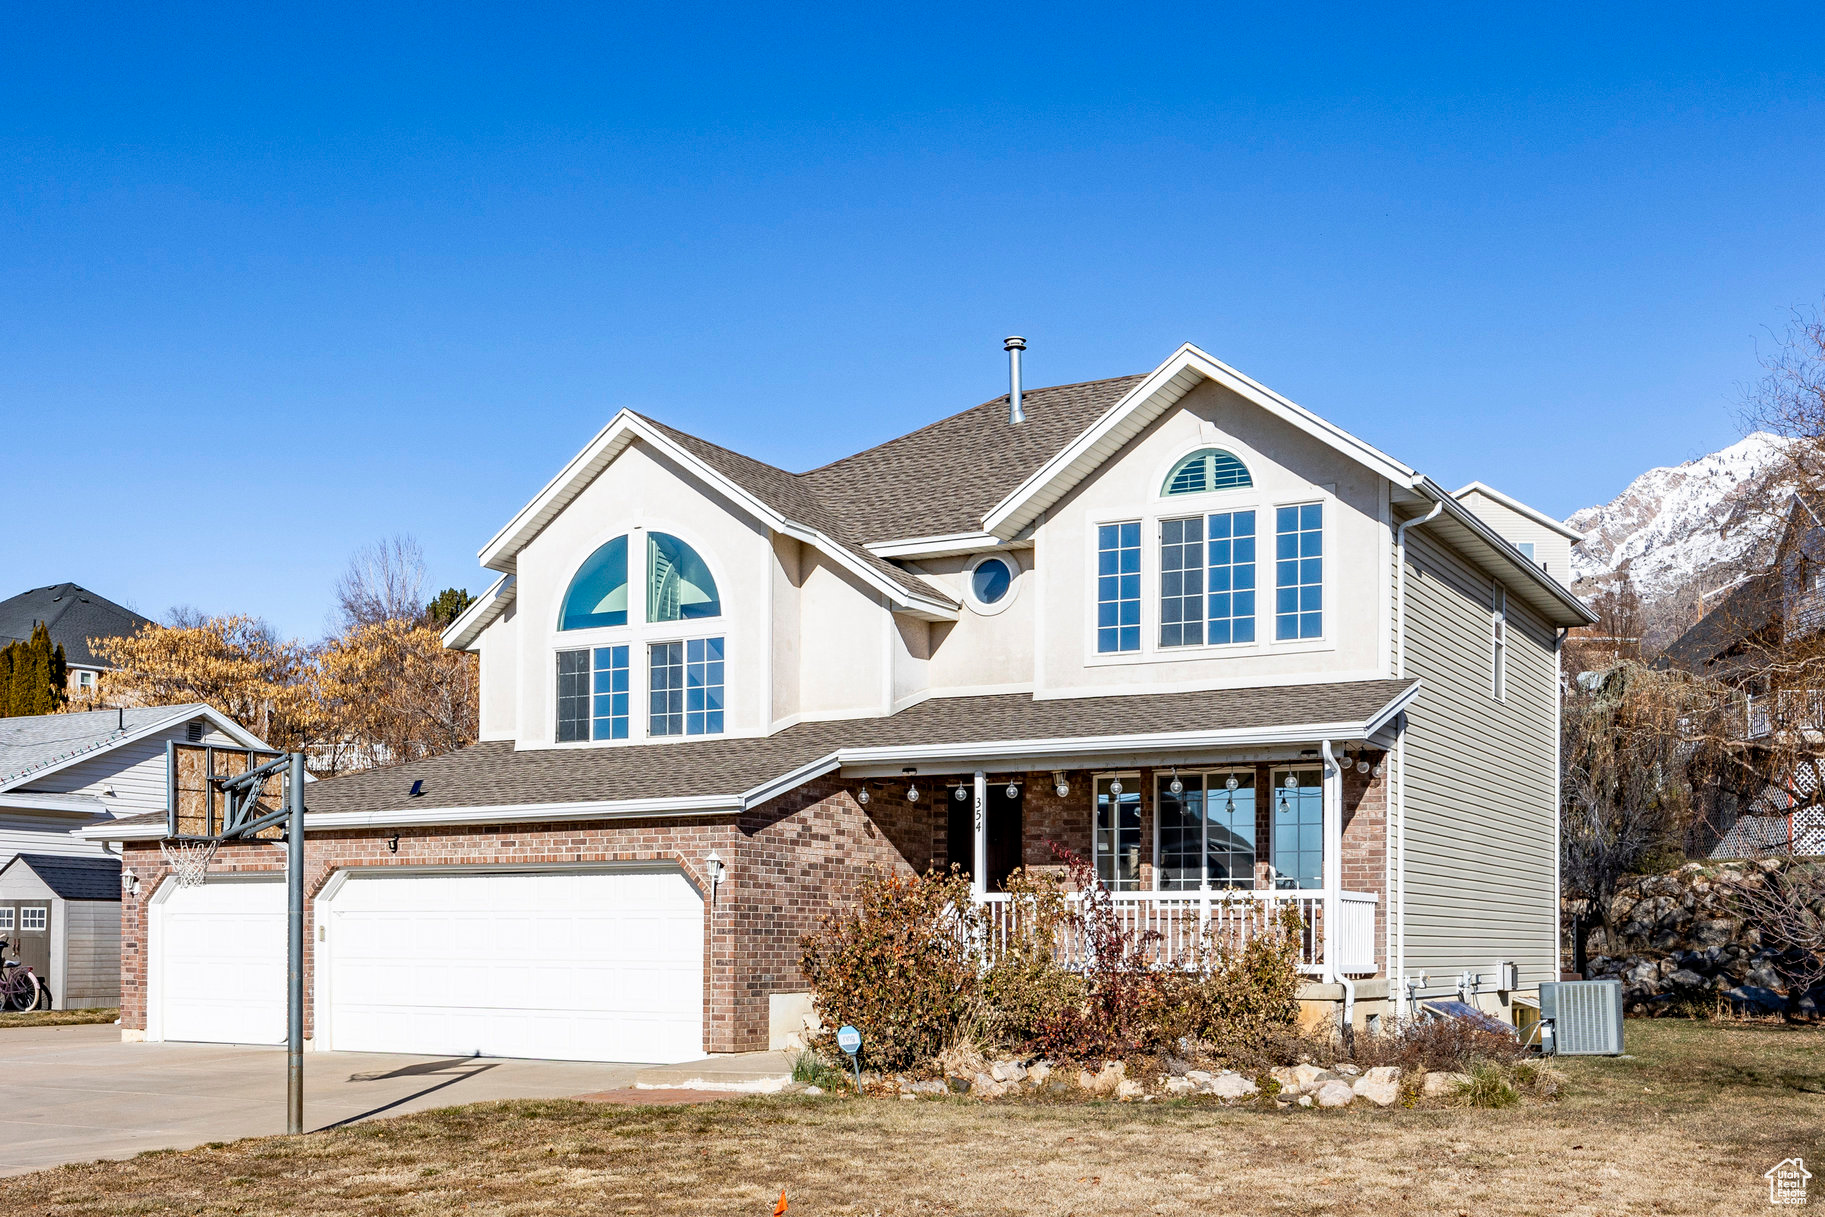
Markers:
point(569, 965)
point(218, 962)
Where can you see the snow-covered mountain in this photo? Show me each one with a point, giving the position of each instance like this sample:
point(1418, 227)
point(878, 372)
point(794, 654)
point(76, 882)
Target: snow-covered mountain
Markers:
point(1687, 528)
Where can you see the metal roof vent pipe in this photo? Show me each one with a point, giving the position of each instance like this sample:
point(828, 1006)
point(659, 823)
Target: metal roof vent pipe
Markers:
point(1014, 345)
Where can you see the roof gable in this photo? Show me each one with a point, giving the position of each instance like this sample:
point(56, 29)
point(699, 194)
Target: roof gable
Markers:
point(74, 877)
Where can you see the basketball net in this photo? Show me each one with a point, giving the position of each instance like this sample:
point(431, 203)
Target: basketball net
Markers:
point(189, 860)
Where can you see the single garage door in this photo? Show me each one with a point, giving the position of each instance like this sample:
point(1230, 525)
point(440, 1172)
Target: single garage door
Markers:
point(568, 965)
point(218, 962)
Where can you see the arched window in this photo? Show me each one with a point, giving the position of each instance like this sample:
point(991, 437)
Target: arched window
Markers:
point(1207, 469)
point(597, 595)
point(678, 584)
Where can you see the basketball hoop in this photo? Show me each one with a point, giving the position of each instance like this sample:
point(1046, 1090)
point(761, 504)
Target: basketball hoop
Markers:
point(189, 860)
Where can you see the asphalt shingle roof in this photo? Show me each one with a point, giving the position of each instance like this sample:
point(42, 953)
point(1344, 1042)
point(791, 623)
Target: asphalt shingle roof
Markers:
point(72, 614)
point(30, 742)
point(81, 878)
point(494, 774)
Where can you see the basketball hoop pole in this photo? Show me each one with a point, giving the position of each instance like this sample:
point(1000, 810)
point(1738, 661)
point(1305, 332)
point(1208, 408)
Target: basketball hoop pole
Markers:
point(294, 948)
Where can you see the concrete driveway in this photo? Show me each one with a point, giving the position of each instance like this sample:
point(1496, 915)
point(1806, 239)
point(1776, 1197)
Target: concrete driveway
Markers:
point(73, 1094)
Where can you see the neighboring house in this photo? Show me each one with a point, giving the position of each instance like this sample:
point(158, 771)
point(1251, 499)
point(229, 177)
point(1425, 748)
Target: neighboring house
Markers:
point(74, 616)
point(60, 773)
point(1234, 656)
point(1538, 536)
point(1777, 733)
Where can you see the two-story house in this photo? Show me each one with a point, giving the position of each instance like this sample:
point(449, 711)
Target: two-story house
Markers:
point(1229, 653)
point(74, 617)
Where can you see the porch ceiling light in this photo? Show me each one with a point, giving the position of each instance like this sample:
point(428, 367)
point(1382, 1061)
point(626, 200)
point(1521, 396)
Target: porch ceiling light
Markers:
point(1176, 786)
point(1377, 770)
point(861, 796)
point(1362, 766)
point(960, 793)
point(1231, 782)
point(1059, 784)
point(912, 792)
point(1290, 782)
point(1115, 787)
point(1013, 791)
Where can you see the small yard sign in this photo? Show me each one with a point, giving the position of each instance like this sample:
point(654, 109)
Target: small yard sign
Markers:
point(850, 1041)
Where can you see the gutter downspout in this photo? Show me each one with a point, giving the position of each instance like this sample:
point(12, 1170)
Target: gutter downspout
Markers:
point(1333, 885)
point(1399, 911)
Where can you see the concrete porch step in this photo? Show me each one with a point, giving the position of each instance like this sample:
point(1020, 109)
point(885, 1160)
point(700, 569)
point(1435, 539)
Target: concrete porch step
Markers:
point(753, 1071)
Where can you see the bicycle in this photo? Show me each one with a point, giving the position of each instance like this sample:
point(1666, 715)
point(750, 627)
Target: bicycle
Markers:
point(20, 988)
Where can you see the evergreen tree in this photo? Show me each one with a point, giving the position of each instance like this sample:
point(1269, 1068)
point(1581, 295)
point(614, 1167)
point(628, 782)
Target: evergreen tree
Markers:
point(8, 654)
point(32, 675)
point(448, 606)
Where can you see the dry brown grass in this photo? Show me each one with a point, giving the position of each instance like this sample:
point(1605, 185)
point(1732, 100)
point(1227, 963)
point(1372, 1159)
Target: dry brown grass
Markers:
point(58, 1018)
point(1686, 1126)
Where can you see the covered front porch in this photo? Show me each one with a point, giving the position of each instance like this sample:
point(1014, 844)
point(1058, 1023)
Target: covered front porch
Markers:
point(1189, 848)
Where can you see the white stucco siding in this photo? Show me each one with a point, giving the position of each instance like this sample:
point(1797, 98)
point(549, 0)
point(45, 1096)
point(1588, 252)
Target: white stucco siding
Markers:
point(1553, 550)
point(1480, 779)
point(642, 491)
point(497, 653)
point(1287, 467)
point(987, 647)
point(847, 661)
point(788, 563)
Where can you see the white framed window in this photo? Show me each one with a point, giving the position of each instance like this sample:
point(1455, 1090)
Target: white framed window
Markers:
point(85, 679)
point(1205, 470)
point(990, 582)
point(638, 592)
point(33, 918)
point(1205, 830)
point(684, 687)
point(1299, 572)
point(1298, 828)
point(1498, 637)
point(6, 918)
point(1118, 587)
point(1207, 580)
point(1116, 831)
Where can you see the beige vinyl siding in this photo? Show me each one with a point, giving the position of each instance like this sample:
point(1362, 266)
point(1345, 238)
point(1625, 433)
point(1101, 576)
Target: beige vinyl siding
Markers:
point(30, 832)
point(91, 963)
point(1480, 779)
point(136, 771)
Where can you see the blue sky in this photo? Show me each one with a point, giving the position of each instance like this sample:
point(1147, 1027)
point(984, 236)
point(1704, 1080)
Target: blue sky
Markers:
point(274, 285)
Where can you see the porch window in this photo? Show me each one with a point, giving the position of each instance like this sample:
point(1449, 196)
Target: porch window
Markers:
point(1298, 852)
point(685, 687)
point(1207, 831)
point(1299, 572)
point(1118, 587)
point(1117, 837)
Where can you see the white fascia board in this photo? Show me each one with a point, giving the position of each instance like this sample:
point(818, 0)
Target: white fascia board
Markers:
point(461, 634)
point(179, 714)
point(1505, 553)
point(946, 546)
point(500, 813)
point(1238, 737)
point(775, 787)
point(1516, 505)
point(1162, 387)
point(1388, 713)
point(500, 552)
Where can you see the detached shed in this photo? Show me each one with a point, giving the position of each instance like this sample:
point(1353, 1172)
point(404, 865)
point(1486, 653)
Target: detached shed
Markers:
point(62, 915)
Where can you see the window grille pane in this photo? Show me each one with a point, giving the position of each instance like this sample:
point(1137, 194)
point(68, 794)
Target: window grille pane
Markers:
point(1298, 842)
point(1299, 571)
point(611, 693)
point(1208, 469)
point(703, 686)
point(1229, 841)
point(1118, 835)
point(1181, 832)
point(665, 689)
point(597, 595)
point(1182, 582)
point(573, 696)
point(1118, 587)
point(678, 584)
point(1232, 577)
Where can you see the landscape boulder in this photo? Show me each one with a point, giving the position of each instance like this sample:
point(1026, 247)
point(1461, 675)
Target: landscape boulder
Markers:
point(1444, 1084)
point(1232, 1085)
point(1380, 1086)
point(1334, 1093)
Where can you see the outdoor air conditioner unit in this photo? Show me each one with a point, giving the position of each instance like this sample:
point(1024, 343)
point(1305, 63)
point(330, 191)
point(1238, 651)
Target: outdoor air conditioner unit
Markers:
point(1585, 1016)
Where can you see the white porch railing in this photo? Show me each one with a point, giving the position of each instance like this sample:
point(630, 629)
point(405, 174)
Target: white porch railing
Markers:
point(1185, 920)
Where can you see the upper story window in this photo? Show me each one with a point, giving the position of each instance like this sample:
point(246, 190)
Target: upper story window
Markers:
point(1207, 579)
point(1299, 571)
point(1118, 587)
point(597, 595)
point(990, 580)
point(1498, 633)
point(678, 584)
point(1207, 469)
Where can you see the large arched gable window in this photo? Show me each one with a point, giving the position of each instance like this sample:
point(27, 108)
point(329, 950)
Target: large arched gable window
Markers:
point(597, 595)
point(1207, 469)
point(678, 584)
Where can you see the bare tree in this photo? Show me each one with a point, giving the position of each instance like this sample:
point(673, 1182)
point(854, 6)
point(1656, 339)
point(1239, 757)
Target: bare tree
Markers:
point(1786, 905)
point(384, 581)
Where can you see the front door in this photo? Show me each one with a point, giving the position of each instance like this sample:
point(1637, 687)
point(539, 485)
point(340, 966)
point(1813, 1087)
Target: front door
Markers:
point(1004, 835)
point(27, 923)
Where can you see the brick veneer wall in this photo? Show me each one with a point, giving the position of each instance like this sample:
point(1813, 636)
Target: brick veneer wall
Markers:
point(789, 863)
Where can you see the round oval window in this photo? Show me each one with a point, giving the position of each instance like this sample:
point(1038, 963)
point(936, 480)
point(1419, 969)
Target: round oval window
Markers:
point(990, 581)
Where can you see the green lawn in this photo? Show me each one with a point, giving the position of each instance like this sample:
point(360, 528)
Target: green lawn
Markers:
point(1686, 1125)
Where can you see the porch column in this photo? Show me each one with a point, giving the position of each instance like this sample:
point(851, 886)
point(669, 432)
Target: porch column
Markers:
point(979, 855)
point(1331, 799)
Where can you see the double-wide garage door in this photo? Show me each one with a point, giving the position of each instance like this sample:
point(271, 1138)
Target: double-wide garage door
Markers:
point(568, 965)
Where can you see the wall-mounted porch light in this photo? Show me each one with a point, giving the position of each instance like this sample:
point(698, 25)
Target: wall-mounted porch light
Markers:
point(862, 796)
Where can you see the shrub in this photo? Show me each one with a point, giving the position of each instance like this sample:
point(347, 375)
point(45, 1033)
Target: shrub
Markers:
point(1489, 1087)
point(1449, 1045)
point(810, 1069)
point(899, 965)
point(1025, 990)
